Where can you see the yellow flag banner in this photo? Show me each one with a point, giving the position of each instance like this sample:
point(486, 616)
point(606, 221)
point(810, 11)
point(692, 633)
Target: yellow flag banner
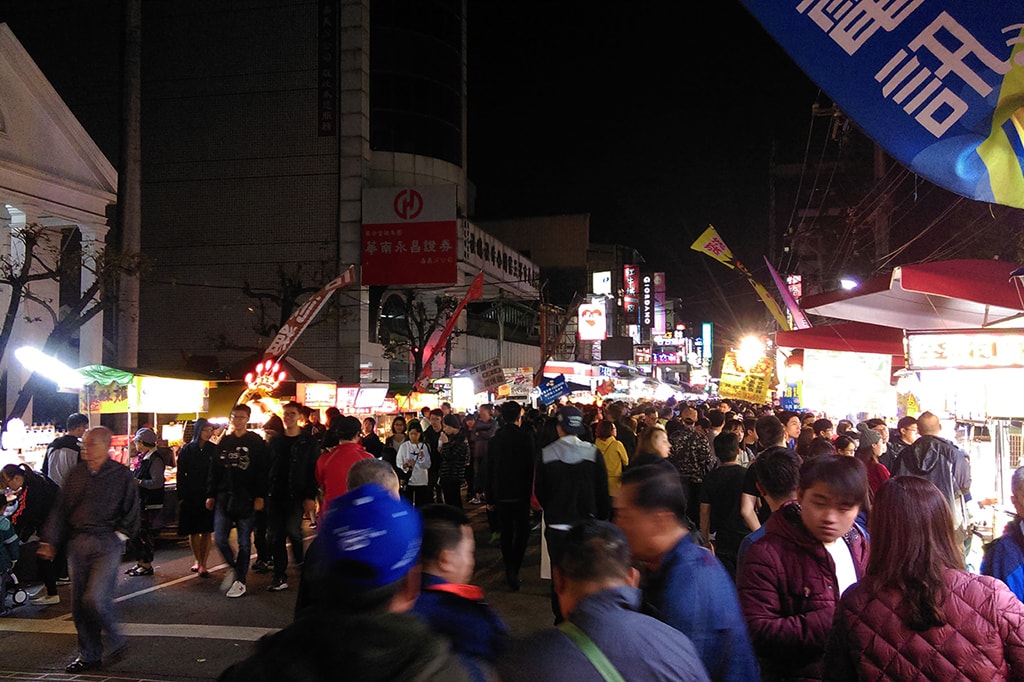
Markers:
point(741, 383)
point(710, 243)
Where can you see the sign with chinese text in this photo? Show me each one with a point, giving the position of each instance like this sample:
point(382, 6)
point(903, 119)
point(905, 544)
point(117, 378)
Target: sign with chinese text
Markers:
point(316, 395)
point(591, 322)
point(410, 236)
point(751, 385)
point(939, 85)
point(665, 357)
point(642, 355)
point(553, 389)
point(487, 376)
point(965, 350)
point(630, 292)
point(659, 303)
point(298, 322)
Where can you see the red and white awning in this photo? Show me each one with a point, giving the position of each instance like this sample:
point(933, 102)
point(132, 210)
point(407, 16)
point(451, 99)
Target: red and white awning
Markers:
point(955, 294)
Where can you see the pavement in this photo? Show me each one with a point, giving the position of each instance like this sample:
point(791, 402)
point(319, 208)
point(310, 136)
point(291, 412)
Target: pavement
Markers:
point(181, 628)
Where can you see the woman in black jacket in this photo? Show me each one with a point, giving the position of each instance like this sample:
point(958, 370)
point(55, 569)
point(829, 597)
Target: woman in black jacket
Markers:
point(194, 519)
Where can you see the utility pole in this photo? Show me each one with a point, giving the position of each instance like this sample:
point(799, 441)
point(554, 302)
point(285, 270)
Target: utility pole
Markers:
point(129, 186)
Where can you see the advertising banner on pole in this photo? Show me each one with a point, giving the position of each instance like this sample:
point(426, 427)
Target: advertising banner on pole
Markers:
point(410, 236)
point(591, 321)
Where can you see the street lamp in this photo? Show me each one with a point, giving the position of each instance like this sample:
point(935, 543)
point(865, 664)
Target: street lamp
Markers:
point(38, 362)
point(848, 283)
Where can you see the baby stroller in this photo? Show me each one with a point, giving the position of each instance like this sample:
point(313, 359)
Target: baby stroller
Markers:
point(13, 594)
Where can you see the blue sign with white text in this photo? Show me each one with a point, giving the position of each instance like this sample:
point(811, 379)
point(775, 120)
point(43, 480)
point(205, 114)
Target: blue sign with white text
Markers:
point(938, 84)
point(553, 389)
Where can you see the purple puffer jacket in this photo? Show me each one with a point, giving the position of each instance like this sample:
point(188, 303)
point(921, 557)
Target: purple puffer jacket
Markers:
point(982, 641)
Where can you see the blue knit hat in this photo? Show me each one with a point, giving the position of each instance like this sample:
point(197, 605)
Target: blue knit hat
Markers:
point(376, 535)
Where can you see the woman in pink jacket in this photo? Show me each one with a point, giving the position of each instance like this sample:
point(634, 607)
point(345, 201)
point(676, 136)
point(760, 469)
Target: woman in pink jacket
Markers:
point(917, 614)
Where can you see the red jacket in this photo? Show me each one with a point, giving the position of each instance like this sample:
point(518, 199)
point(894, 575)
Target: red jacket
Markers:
point(983, 639)
point(788, 593)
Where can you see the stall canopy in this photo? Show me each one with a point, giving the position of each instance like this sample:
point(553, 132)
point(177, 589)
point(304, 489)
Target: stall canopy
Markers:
point(854, 337)
point(954, 294)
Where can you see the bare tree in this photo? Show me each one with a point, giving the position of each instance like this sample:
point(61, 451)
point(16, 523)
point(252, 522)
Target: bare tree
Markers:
point(38, 258)
point(408, 328)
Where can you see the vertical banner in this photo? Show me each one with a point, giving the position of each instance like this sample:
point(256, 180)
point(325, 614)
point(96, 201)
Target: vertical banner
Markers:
point(939, 85)
point(476, 290)
point(659, 303)
point(630, 293)
point(711, 244)
point(800, 320)
point(298, 322)
point(646, 303)
point(327, 32)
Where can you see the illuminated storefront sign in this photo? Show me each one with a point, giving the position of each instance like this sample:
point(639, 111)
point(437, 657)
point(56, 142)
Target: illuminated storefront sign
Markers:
point(602, 285)
point(965, 350)
point(592, 323)
point(630, 292)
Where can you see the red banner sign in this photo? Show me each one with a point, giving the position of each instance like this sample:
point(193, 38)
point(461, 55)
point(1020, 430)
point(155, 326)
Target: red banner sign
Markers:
point(410, 236)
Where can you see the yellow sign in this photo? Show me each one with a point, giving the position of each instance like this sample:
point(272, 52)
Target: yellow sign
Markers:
point(710, 243)
point(751, 385)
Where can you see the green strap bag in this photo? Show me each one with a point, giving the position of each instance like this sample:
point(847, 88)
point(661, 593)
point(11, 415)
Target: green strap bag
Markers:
point(592, 652)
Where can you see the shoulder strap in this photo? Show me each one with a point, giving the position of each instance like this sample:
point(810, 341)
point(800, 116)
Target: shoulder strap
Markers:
point(592, 652)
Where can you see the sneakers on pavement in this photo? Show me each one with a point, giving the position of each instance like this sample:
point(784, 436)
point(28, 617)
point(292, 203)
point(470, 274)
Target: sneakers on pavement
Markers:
point(263, 566)
point(63, 581)
point(228, 580)
point(277, 585)
point(237, 589)
point(45, 600)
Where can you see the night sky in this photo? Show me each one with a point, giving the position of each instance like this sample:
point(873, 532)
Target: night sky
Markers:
point(656, 118)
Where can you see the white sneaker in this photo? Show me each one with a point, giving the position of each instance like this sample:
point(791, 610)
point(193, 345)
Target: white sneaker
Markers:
point(46, 600)
point(237, 589)
point(229, 579)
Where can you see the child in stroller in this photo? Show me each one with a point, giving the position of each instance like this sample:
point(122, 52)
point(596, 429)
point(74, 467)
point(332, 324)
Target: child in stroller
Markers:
point(9, 589)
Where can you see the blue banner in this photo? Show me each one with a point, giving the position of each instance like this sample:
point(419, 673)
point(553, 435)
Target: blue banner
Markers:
point(553, 389)
point(939, 85)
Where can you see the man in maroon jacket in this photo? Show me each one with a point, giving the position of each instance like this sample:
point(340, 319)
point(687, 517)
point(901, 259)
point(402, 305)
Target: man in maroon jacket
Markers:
point(791, 579)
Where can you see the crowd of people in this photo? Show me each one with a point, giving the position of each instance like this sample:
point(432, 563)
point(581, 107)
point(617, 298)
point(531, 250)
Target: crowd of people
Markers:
point(716, 541)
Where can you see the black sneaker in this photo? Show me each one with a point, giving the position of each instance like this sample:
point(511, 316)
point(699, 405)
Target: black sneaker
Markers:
point(263, 566)
point(277, 585)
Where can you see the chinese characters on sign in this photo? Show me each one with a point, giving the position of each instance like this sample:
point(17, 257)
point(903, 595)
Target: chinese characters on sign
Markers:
point(750, 385)
point(410, 236)
point(983, 350)
point(630, 292)
point(937, 84)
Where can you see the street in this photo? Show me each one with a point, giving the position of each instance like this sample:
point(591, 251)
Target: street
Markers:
point(181, 627)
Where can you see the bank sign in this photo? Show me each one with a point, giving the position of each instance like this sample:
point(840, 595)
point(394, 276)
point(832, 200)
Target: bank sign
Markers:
point(410, 236)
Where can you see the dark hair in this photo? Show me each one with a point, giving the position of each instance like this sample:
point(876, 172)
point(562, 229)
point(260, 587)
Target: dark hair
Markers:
point(657, 490)
point(413, 425)
point(875, 422)
point(76, 420)
point(844, 476)
point(727, 445)
point(650, 409)
point(770, 431)
point(242, 407)
point(803, 442)
point(843, 426)
point(778, 472)
point(865, 454)
point(436, 412)
point(822, 425)
point(595, 551)
point(373, 422)
point(906, 422)
point(349, 427)
point(912, 544)
point(298, 406)
point(819, 447)
point(786, 415)
point(605, 428)
point(717, 418)
point(442, 529)
point(749, 424)
point(733, 424)
point(843, 442)
point(510, 411)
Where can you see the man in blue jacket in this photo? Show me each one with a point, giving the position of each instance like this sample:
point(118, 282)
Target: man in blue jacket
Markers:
point(1004, 558)
point(686, 586)
point(596, 587)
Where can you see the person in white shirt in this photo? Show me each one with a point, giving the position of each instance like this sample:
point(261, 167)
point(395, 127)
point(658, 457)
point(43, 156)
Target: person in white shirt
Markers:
point(414, 458)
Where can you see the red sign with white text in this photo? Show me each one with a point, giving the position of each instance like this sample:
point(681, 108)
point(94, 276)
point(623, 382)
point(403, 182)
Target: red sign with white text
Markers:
point(410, 236)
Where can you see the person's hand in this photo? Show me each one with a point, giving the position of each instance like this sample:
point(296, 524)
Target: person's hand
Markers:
point(209, 503)
point(257, 504)
point(46, 551)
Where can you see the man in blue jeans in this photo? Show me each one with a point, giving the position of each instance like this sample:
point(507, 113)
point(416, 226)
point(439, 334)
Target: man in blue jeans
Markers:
point(236, 489)
point(97, 511)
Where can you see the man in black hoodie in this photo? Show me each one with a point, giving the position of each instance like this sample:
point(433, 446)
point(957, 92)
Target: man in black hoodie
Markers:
point(65, 452)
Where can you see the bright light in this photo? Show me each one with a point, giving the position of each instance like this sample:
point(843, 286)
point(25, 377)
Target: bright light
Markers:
point(50, 367)
point(847, 284)
point(750, 350)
